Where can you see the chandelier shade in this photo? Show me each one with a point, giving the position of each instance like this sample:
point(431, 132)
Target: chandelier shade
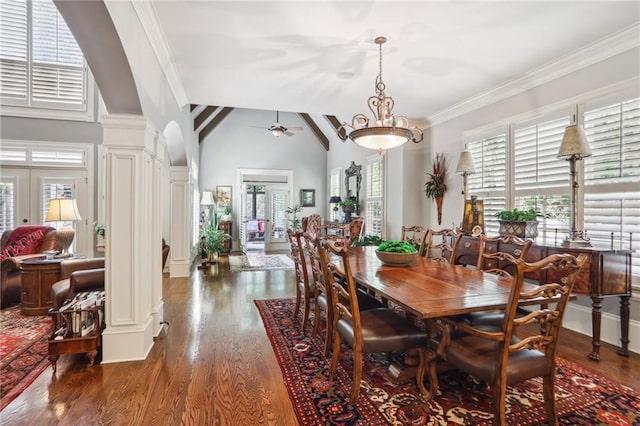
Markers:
point(386, 131)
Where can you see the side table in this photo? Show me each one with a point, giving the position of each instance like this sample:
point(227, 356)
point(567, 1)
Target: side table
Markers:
point(38, 276)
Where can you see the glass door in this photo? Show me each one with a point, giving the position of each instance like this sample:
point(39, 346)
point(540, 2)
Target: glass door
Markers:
point(276, 223)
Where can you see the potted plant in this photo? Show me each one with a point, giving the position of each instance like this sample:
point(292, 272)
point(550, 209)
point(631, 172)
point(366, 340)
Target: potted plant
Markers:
point(521, 223)
point(435, 187)
point(348, 207)
point(294, 221)
point(226, 214)
point(214, 240)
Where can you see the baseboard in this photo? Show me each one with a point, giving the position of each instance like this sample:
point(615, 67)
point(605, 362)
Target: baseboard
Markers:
point(578, 319)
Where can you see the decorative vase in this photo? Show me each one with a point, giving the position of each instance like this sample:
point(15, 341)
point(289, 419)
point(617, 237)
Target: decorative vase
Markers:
point(519, 228)
point(347, 210)
point(213, 257)
point(439, 200)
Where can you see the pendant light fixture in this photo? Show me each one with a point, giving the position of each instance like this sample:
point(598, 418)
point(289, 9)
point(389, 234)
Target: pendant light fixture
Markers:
point(386, 131)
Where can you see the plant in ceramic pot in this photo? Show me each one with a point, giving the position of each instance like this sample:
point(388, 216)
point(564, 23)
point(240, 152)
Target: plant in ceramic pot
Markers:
point(214, 240)
point(294, 221)
point(435, 187)
point(521, 223)
point(348, 207)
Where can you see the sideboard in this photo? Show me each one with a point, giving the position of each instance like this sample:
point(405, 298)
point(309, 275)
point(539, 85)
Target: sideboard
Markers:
point(607, 273)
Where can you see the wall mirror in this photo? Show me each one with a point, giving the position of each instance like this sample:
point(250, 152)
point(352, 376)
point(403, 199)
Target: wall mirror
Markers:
point(352, 181)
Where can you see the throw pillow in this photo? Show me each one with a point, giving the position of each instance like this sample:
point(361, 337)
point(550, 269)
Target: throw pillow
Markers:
point(28, 244)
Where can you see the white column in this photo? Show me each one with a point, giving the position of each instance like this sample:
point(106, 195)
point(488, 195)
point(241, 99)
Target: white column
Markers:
point(132, 238)
point(181, 241)
point(157, 310)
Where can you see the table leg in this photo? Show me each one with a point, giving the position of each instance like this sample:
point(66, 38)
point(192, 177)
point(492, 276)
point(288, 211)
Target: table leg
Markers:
point(596, 318)
point(54, 360)
point(624, 326)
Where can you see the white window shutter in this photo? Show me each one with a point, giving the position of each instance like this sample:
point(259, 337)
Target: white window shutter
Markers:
point(14, 52)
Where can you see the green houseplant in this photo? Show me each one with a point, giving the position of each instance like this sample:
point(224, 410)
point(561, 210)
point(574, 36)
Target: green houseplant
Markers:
point(348, 207)
point(213, 239)
point(294, 221)
point(521, 223)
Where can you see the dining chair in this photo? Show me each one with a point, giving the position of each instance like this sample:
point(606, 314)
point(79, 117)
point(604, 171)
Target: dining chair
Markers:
point(497, 255)
point(312, 224)
point(442, 245)
point(322, 293)
point(415, 235)
point(304, 286)
point(379, 330)
point(508, 355)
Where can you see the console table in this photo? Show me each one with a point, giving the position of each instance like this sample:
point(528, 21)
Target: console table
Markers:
point(607, 273)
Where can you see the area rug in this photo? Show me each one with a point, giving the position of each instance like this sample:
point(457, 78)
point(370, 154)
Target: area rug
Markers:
point(23, 351)
point(583, 398)
point(260, 262)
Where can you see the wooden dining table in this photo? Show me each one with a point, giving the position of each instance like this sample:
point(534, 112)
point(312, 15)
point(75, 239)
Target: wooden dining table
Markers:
point(430, 290)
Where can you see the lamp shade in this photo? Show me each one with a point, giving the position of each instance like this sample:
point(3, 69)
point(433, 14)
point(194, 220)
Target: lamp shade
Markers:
point(381, 137)
point(465, 164)
point(574, 143)
point(207, 199)
point(62, 210)
point(334, 199)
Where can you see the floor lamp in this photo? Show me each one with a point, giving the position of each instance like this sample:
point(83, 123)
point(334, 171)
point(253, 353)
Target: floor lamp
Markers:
point(574, 147)
point(63, 210)
point(465, 168)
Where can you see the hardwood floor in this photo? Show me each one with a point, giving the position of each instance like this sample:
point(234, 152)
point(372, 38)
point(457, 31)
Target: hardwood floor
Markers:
point(213, 366)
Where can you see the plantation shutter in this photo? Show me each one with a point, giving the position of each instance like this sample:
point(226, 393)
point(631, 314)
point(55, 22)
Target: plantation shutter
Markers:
point(488, 182)
point(13, 52)
point(40, 62)
point(541, 179)
point(612, 176)
point(375, 195)
point(56, 188)
point(7, 204)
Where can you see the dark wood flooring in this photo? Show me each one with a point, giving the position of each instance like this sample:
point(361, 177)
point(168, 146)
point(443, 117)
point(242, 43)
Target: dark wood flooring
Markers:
point(213, 366)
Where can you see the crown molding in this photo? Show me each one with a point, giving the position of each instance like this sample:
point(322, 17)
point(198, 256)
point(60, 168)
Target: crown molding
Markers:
point(614, 44)
point(149, 21)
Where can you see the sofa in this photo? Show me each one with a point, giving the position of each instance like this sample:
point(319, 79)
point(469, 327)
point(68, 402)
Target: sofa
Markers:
point(78, 275)
point(16, 245)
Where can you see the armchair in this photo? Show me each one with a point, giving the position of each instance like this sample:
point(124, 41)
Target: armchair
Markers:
point(78, 275)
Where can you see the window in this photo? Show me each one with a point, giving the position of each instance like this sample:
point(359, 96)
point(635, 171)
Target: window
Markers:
point(488, 182)
point(41, 65)
point(541, 181)
point(612, 176)
point(255, 201)
point(335, 183)
point(374, 216)
point(7, 201)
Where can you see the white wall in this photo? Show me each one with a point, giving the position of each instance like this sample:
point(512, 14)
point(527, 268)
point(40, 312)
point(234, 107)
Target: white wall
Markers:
point(237, 143)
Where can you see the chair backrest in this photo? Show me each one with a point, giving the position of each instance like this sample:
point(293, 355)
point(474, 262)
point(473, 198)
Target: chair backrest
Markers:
point(311, 252)
point(442, 245)
point(355, 229)
point(295, 244)
point(501, 262)
point(561, 272)
point(415, 235)
point(345, 299)
point(312, 224)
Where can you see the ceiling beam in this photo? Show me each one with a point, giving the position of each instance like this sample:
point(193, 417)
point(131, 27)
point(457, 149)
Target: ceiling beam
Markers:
point(342, 133)
point(324, 141)
point(213, 123)
point(202, 117)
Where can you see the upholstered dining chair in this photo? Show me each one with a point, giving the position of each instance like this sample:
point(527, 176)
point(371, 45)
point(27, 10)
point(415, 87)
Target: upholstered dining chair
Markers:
point(312, 224)
point(379, 330)
point(322, 293)
point(497, 255)
point(304, 286)
point(498, 356)
point(442, 245)
point(415, 235)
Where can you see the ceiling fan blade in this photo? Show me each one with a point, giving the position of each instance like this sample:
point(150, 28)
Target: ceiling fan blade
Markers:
point(288, 133)
point(296, 128)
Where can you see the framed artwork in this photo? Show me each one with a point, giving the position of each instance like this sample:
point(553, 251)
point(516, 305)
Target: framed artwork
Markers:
point(223, 196)
point(308, 197)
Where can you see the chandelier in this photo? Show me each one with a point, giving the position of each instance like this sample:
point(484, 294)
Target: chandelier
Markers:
point(387, 131)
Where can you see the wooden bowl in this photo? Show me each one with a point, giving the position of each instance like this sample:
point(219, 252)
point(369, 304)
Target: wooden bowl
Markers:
point(396, 259)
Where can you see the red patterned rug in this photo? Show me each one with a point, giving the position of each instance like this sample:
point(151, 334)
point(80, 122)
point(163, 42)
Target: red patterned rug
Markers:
point(23, 351)
point(583, 398)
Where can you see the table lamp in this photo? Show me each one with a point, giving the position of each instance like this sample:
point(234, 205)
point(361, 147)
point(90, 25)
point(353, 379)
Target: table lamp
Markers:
point(335, 199)
point(63, 210)
point(574, 147)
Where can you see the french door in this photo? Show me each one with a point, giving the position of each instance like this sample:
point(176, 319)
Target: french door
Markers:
point(25, 195)
point(275, 236)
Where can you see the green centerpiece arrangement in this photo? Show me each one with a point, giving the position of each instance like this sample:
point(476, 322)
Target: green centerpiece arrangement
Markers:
point(521, 223)
point(396, 252)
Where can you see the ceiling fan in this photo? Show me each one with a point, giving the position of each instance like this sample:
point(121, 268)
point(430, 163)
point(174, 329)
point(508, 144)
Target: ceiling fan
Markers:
point(277, 129)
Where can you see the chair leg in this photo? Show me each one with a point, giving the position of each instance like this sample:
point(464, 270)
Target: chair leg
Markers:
point(328, 338)
point(305, 312)
point(316, 319)
point(549, 400)
point(336, 353)
point(357, 374)
point(499, 408)
point(298, 298)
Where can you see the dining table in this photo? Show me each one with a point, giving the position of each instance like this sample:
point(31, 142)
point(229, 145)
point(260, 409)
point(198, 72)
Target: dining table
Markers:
point(430, 290)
